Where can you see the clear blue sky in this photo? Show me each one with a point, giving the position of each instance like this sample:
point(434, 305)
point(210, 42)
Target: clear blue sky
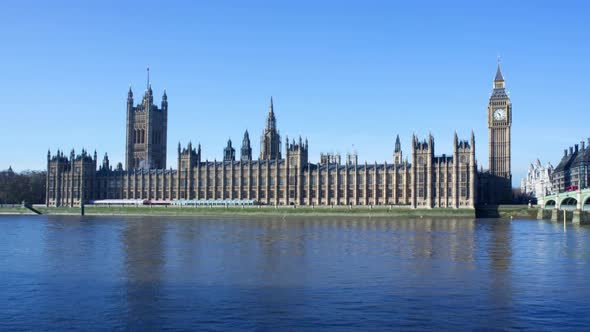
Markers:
point(342, 73)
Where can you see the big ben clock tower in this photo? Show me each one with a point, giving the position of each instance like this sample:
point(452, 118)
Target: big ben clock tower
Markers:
point(499, 124)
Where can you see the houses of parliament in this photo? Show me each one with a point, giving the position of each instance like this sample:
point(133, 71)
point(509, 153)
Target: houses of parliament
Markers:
point(283, 174)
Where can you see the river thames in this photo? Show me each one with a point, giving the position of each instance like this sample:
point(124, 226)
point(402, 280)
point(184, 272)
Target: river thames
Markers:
point(308, 273)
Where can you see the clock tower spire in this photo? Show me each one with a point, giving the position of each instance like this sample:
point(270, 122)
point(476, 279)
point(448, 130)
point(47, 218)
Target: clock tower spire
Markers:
point(499, 128)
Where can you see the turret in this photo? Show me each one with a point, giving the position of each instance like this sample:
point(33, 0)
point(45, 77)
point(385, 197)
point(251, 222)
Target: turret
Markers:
point(229, 153)
point(397, 152)
point(246, 151)
point(105, 162)
point(188, 157)
point(296, 153)
point(130, 131)
point(130, 97)
point(164, 101)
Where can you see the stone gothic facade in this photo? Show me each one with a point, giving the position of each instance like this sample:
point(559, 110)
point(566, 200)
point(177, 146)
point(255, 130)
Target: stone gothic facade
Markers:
point(538, 180)
point(437, 181)
point(495, 184)
point(147, 132)
point(278, 177)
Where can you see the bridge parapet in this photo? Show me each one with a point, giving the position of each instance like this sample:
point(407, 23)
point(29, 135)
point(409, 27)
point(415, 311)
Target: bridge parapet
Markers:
point(579, 200)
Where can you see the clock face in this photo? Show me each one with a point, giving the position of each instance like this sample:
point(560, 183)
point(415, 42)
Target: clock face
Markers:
point(499, 114)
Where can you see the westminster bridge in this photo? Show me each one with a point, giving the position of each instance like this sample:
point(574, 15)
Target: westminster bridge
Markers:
point(569, 205)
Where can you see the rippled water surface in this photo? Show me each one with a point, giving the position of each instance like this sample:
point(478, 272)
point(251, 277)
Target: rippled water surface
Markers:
point(59, 273)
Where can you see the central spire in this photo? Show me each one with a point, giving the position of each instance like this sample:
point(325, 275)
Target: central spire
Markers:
point(271, 120)
point(270, 144)
point(271, 110)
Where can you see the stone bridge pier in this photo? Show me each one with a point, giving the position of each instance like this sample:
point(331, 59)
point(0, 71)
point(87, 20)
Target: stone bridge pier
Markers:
point(574, 206)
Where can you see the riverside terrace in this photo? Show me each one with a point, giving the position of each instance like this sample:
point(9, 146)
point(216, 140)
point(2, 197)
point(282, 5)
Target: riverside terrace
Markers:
point(489, 211)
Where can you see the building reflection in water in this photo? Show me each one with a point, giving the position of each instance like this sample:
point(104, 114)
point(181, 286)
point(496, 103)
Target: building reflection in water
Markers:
point(182, 273)
point(280, 269)
point(266, 267)
point(144, 259)
point(499, 252)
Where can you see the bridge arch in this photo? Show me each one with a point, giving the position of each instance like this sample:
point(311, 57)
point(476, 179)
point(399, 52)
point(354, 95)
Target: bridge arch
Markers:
point(568, 203)
point(550, 204)
point(586, 204)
